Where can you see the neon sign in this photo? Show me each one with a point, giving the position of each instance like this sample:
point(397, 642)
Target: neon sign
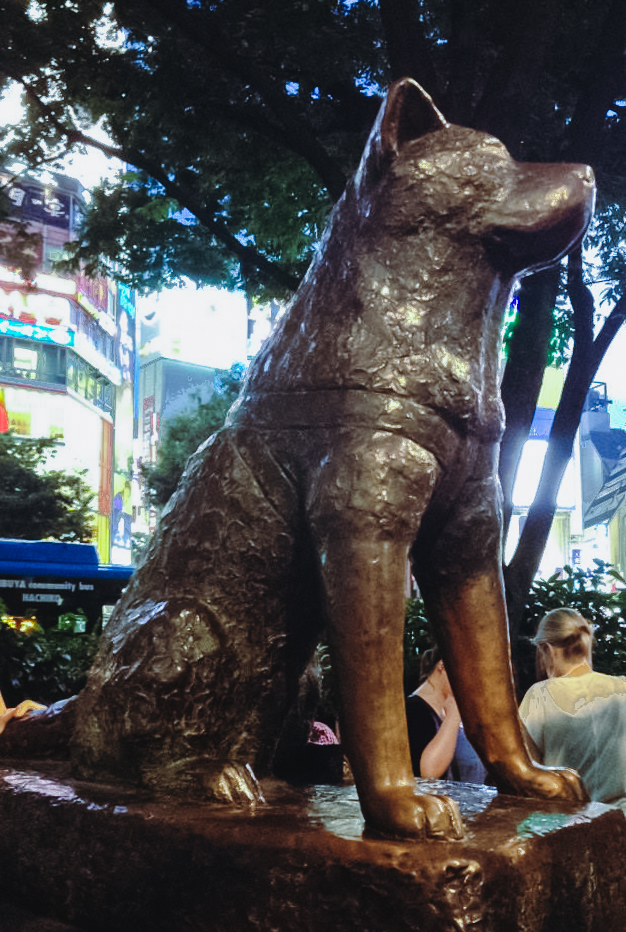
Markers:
point(57, 335)
point(125, 300)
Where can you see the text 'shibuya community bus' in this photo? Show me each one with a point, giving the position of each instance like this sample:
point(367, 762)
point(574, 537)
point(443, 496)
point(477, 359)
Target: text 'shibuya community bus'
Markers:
point(47, 580)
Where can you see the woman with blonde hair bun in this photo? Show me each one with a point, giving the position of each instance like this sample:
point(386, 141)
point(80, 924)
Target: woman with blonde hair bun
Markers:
point(576, 717)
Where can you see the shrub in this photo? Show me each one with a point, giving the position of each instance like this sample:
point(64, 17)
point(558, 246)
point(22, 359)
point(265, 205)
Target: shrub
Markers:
point(417, 639)
point(598, 594)
point(44, 666)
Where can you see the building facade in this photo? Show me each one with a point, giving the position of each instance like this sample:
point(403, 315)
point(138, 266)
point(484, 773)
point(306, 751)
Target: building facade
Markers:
point(603, 481)
point(166, 388)
point(68, 355)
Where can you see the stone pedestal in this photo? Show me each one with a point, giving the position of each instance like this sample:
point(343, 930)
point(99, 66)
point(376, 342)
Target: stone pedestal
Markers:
point(106, 859)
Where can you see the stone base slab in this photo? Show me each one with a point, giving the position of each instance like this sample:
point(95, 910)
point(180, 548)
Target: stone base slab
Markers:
point(108, 859)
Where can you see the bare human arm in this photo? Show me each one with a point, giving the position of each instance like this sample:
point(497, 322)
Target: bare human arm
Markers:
point(438, 753)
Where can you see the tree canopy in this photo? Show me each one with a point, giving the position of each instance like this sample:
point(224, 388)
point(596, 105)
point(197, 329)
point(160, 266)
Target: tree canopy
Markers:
point(36, 502)
point(239, 122)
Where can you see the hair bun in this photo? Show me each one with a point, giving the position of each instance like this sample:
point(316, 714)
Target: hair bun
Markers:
point(563, 627)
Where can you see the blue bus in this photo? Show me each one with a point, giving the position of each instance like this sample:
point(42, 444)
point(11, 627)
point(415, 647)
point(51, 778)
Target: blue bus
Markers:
point(47, 580)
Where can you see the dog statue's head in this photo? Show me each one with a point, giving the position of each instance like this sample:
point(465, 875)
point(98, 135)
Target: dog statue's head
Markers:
point(432, 172)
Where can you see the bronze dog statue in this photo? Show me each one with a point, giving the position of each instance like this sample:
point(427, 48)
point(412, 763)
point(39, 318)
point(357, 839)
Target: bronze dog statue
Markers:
point(367, 430)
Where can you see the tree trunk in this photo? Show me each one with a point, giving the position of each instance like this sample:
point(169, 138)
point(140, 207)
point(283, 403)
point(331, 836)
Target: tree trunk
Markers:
point(586, 357)
point(523, 375)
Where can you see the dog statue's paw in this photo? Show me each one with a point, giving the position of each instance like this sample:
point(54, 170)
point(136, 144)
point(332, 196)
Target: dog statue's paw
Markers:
point(222, 781)
point(235, 784)
point(400, 813)
point(443, 818)
point(543, 783)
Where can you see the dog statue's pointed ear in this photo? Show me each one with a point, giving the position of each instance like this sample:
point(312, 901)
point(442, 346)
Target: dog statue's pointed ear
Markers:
point(409, 112)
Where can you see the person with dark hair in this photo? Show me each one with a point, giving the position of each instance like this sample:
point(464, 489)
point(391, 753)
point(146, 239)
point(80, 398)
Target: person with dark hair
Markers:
point(439, 747)
point(577, 717)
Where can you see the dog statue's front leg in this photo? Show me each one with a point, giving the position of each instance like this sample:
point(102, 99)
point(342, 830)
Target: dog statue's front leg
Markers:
point(470, 621)
point(365, 504)
point(457, 566)
point(364, 581)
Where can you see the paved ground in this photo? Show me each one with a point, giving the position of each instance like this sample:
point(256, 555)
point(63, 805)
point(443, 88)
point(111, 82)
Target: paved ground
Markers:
point(13, 919)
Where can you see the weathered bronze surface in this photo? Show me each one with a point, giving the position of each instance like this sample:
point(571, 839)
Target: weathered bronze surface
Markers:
point(368, 428)
point(111, 860)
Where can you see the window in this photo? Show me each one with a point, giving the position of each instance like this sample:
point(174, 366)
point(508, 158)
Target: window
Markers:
point(25, 359)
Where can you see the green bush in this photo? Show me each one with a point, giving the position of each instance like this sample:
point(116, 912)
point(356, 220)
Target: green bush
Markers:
point(417, 639)
point(599, 594)
point(44, 666)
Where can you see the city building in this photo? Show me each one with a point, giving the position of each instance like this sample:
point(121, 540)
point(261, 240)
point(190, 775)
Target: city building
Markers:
point(567, 522)
point(68, 354)
point(603, 481)
point(166, 388)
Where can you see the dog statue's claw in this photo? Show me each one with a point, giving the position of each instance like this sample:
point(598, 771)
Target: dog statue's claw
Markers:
point(403, 814)
point(235, 784)
point(543, 783)
point(443, 818)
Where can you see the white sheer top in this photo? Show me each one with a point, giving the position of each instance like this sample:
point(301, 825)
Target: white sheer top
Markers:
point(580, 722)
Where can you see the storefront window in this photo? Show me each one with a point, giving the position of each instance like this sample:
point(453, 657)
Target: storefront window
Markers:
point(25, 360)
point(81, 386)
point(53, 364)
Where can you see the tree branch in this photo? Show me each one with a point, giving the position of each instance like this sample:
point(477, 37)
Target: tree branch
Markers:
point(511, 81)
point(407, 48)
point(523, 375)
point(246, 254)
point(601, 82)
point(590, 352)
point(609, 330)
point(188, 21)
point(586, 358)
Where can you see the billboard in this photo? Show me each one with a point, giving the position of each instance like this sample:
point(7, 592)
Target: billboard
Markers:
point(40, 204)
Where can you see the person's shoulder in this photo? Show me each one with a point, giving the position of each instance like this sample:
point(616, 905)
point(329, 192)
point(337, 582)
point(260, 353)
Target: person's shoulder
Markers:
point(532, 697)
point(595, 685)
point(537, 688)
point(417, 709)
point(609, 679)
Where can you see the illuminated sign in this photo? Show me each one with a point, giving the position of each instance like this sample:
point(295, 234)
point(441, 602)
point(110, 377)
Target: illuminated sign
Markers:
point(94, 292)
point(45, 282)
point(56, 335)
point(39, 308)
point(55, 283)
point(38, 202)
point(106, 322)
point(94, 297)
point(86, 305)
point(125, 299)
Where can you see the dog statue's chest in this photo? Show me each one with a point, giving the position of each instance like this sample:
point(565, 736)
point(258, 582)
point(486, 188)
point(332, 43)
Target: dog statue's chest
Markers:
point(374, 335)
